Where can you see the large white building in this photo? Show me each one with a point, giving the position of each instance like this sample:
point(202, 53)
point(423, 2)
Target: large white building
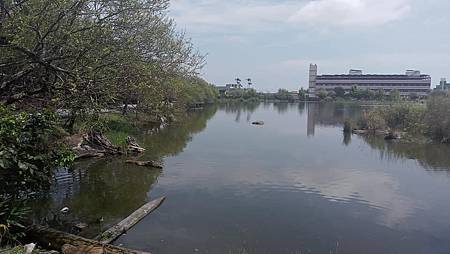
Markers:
point(410, 83)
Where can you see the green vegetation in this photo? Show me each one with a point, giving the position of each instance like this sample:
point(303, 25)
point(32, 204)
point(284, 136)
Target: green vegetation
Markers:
point(431, 120)
point(63, 63)
point(356, 93)
point(242, 94)
point(84, 56)
point(30, 149)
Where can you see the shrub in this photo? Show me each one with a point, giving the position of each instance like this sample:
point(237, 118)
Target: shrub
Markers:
point(437, 116)
point(374, 120)
point(30, 148)
point(11, 216)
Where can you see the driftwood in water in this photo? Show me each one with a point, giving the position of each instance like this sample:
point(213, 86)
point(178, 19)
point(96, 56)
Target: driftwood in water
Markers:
point(72, 244)
point(151, 164)
point(114, 232)
point(95, 144)
point(133, 146)
point(100, 142)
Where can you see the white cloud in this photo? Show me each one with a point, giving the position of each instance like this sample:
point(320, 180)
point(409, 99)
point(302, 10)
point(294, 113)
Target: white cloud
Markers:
point(352, 12)
point(201, 14)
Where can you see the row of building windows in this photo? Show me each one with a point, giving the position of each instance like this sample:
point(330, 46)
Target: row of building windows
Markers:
point(382, 85)
point(372, 77)
point(388, 90)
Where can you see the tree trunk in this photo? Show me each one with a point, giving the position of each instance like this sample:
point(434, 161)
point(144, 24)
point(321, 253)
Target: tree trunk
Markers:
point(72, 244)
point(122, 227)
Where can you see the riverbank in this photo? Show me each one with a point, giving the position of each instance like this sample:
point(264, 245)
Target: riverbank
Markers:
point(414, 121)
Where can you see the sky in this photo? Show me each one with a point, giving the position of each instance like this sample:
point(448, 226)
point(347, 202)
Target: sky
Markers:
point(273, 42)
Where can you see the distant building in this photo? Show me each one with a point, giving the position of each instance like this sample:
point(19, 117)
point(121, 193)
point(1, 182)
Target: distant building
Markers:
point(443, 85)
point(410, 83)
point(223, 89)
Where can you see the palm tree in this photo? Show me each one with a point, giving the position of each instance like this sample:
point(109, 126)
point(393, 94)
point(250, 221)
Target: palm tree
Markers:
point(238, 82)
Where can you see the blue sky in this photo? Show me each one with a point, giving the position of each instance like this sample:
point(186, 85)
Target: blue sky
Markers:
point(273, 42)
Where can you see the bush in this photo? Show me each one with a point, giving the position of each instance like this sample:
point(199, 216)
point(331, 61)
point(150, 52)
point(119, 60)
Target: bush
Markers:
point(374, 120)
point(437, 116)
point(11, 215)
point(30, 148)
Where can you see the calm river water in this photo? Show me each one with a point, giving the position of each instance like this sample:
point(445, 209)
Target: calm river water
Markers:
point(294, 185)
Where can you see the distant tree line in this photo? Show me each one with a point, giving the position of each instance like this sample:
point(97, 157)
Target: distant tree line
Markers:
point(360, 94)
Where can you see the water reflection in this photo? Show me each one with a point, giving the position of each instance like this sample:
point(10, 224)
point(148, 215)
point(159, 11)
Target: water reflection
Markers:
point(329, 114)
point(431, 156)
point(271, 188)
point(101, 192)
point(239, 108)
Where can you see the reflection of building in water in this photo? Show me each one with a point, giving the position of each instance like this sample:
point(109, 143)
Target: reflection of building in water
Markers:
point(329, 114)
point(311, 122)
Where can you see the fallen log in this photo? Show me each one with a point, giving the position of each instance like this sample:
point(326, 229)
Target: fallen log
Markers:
point(71, 244)
point(152, 164)
point(132, 146)
point(122, 227)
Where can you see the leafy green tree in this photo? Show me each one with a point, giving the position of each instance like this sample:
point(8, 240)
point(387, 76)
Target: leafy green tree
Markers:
point(322, 94)
point(283, 94)
point(85, 55)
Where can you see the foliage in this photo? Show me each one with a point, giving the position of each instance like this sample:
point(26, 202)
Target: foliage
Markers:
point(283, 94)
point(241, 93)
point(437, 116)
point(86, 55)
point(322, 94)
point(406, 117)
point(30, 148)
point(339, 91)
point(303, 94)
point(11, 215)
point(394, 95)
point(374, 120)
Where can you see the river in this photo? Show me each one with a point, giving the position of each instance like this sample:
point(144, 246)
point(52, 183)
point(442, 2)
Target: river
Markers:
point(295, 185)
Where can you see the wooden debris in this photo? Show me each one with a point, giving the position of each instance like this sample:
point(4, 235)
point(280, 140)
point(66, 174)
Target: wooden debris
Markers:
point(151, 164)
point(100, 142)
point(72, 244)
point(95, 144)
point(392, 136)
point(133, 146)
point(116, 231)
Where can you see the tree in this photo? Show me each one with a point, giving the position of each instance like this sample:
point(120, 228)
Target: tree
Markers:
point(84, 55)
point(283, 94)
point(394, 95)
point(322, 94)
point(379, 95)
point(302, 94)
point(339, 91)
